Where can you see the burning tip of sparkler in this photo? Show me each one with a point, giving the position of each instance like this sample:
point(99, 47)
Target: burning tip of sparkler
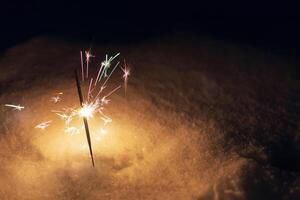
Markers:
point(87, 110)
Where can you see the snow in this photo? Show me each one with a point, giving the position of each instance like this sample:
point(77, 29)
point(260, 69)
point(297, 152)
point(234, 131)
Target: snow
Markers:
point(202, 119)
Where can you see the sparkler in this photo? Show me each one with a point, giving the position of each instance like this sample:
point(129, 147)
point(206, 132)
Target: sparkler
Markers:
point(16, 107)
point(95, 100)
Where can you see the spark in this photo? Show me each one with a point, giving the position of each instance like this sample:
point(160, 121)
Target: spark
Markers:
point(88, 56)
point(55, 99)
point(107, 77)
point(66, 114)
point(104, 100)
point(16, 107)
point(126, 71)
point(100, 69)
point(67, 118)
point(106, 64)
point(105, 119)
point(114, 90)
point(43, 125)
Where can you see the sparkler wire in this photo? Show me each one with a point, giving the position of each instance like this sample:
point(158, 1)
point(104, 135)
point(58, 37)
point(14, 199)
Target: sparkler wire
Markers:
point(86, 126)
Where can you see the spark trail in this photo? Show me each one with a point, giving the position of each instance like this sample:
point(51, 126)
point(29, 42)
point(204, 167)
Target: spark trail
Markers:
point(16, 107)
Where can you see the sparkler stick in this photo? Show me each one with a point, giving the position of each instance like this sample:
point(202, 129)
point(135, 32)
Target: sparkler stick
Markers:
point(86, 126)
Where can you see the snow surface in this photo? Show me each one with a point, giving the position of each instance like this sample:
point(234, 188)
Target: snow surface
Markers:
point(202, 119)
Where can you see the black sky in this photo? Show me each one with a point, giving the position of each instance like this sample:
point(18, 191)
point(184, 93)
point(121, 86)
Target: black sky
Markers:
point(262, 23)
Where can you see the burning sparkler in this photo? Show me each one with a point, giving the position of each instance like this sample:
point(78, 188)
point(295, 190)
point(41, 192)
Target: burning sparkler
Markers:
point(16, 107)
point(93, 105)
point(94, 102)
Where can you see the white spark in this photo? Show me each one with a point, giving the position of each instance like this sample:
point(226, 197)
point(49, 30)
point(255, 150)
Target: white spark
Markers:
point(104, 100)
point(88, 56)
point(126, 71)
point(55, 99)
point(43, 125)
point(106, 119)
point(106, 64)
point(16, 107)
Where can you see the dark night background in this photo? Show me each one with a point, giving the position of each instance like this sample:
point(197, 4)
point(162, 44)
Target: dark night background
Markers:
point(265, 24)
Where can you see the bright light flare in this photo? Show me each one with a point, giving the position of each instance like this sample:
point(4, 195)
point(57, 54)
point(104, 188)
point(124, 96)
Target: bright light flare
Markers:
point(88, 110)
